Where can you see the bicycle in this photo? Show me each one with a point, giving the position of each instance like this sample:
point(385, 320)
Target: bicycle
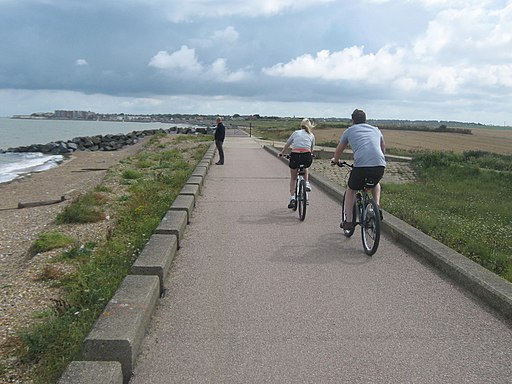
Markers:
point(366, 213)
point(301, 194)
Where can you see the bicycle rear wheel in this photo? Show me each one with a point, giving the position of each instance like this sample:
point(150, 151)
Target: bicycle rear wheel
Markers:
point(370, 227)
point(348, 232)
point(302, 200)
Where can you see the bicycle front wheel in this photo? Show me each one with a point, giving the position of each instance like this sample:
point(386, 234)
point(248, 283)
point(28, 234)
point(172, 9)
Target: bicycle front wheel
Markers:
point(302, 200)
point(370, 227)
point(347, 232)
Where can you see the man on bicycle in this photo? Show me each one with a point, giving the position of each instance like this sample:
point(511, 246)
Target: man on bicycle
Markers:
point(368, 147)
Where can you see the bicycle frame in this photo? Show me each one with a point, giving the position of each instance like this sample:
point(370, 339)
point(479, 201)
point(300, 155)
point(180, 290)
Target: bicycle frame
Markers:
point(301, 195)
point(366, 214)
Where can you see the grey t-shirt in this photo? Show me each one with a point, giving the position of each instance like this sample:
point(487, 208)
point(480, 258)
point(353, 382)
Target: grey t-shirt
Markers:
point(365, 139)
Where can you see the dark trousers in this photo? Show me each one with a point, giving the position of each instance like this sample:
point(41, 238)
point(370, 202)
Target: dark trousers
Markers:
point(219, 143)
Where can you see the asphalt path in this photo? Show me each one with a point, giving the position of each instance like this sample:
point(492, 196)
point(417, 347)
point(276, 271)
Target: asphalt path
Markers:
point(256, 296)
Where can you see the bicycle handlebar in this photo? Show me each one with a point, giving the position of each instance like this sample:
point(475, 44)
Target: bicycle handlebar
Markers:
point(342, 164)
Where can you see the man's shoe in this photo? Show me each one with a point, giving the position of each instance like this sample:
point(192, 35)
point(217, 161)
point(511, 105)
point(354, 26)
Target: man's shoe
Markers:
point(308, 186)
point(219, 163)
point(347, 226)
point(291, 204)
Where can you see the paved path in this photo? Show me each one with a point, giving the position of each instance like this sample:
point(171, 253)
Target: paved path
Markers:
point(256, 296)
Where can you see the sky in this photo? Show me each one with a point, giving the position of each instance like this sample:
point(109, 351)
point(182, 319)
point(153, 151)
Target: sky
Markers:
point(396, 59)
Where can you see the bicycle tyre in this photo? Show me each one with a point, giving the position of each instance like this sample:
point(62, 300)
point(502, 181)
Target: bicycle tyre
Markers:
point(296, 195)
point(370, 227)
point(348, 232)
point(302, 200)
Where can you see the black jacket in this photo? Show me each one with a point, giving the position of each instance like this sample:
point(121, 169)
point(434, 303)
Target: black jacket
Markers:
point(220, 132)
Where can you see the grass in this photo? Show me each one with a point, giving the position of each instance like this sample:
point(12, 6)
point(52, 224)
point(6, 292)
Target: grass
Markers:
point(463, 201)
point(47, 241)
point(100, 268)
point(86, 209)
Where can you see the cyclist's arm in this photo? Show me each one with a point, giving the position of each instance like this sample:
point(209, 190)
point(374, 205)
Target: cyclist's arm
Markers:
point(382, 145)
point(283, 150)
point(339, 150)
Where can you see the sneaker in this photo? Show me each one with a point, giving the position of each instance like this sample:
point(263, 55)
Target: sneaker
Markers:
point(308, 186)
point(291, 204)
point(347, 226)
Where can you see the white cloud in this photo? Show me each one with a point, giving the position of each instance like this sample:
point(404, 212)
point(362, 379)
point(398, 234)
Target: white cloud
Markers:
point(482, 34)
point(81, 63)
point(228, 35)
point(349, 64)
point(184, 59)
point(220, 72)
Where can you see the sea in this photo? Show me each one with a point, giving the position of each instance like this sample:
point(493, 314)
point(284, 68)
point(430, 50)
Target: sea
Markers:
point(24, 132)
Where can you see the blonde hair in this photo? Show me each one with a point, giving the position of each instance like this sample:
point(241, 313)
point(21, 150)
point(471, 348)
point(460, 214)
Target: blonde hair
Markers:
point(307, 125)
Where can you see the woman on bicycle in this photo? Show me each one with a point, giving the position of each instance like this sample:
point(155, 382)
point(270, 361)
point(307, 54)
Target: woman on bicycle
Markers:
point(368, 146)
point(302, 142)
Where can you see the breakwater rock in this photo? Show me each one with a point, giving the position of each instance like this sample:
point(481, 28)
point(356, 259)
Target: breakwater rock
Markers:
point(102, 142)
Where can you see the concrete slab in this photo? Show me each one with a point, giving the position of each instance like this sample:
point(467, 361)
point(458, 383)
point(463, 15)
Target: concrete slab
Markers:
point(120, 329)
point(200, 171)
point(195, 180)
point(173, 223)
point(205, 163)
point(192, 190)
point(183, 203)
point(92, 372)
point(156, 257)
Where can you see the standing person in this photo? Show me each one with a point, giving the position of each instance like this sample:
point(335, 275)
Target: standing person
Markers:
point(302, 142)
point(220, 134)
point(368, 146)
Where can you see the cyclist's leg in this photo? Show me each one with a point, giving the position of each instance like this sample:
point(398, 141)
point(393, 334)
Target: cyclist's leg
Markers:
point(349, 205)
point(293, 179)
point(376, 193)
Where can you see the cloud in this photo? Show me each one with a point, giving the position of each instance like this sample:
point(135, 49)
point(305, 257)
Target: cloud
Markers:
point(228, 35)
point(81, 63)
point(220, 72)
point(184, 59)
point(349, 64)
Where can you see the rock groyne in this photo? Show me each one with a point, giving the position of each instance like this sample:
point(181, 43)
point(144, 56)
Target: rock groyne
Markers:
point(109, 142)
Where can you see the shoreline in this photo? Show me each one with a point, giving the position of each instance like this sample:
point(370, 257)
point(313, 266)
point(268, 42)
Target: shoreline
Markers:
point(24, 293)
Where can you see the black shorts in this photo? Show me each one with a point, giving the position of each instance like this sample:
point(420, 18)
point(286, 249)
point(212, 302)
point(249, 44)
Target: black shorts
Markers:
point(358, 176)
point(300, 158)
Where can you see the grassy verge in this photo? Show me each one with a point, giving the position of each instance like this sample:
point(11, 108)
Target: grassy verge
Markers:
point(136, 195)
point(463, 201)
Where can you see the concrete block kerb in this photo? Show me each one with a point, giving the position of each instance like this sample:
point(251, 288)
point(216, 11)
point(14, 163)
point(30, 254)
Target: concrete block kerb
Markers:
point(183, 203)
point(118, 333)
point(192, 190)
point(173, 223)
point(198, 180)
point(200, 171)
point(156, 257)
